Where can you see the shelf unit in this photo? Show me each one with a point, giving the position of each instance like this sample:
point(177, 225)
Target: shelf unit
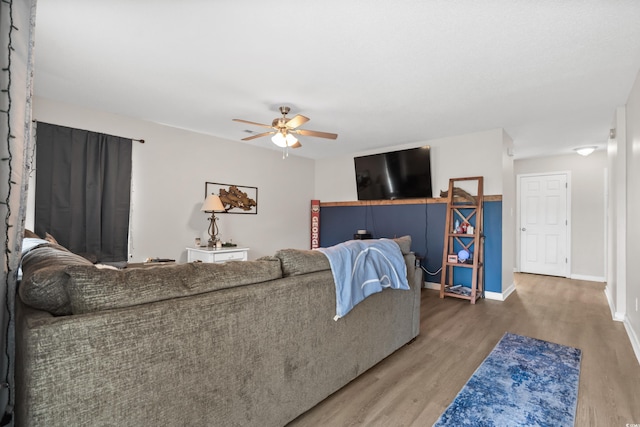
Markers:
point(464, 206)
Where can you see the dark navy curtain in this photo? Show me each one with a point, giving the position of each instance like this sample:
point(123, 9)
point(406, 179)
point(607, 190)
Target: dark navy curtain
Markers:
point(83, 191)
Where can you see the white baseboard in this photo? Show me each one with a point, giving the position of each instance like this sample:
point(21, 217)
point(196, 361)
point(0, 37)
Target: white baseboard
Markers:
point(622, 317)
point(610, 302)
point(587, 278)
point(432, 285)
point(633, 337)
point(498, 296)
point(615, 315)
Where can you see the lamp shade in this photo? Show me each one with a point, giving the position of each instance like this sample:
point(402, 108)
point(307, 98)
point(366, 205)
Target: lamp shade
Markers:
point(212, 204)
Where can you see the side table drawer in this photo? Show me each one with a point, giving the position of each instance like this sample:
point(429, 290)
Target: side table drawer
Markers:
point(217, 255)
point(199, 256)
point(230, 256)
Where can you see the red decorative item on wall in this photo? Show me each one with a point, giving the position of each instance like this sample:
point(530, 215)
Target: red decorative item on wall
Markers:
point(315, 224)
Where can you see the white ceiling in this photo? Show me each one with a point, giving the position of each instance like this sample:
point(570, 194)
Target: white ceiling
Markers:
point(378, 73)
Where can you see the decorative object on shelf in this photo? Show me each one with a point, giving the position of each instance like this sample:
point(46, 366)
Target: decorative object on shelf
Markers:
point(235, 198)
point(459, 194)
point(212, 204)
point(463, 255)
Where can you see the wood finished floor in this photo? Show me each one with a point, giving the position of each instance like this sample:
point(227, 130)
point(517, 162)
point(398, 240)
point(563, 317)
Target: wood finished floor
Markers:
point(413, 386)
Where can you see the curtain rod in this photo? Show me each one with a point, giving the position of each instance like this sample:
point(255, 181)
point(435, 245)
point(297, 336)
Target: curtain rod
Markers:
point(141, 141)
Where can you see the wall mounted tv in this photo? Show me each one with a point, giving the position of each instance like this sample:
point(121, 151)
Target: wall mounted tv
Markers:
point(403, 174)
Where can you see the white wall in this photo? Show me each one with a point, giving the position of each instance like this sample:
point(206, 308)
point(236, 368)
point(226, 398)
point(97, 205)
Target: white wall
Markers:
point(508, 215)
point(617, 214)
point(169, 174)
point(632, 285)
point(474, 154)
point(587, 208)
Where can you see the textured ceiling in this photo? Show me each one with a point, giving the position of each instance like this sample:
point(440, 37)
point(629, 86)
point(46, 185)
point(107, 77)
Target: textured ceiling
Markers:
point(378, 73)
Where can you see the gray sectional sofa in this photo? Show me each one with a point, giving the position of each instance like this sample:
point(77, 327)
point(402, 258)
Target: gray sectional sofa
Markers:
point(236, 344)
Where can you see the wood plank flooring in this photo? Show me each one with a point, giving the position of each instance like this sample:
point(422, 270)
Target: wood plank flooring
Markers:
point(413, 386)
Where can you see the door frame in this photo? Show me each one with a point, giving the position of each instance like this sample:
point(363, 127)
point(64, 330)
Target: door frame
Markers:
point(518, 254)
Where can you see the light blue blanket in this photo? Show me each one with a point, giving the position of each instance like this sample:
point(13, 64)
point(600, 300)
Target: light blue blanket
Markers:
point(363, 267)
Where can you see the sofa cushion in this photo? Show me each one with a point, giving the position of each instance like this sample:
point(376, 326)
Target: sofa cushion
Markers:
point(405, 244)
point(44, 280)
point(301, 261)
point(92, 289)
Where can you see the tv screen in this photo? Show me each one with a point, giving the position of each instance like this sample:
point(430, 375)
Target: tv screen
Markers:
point(403, 174)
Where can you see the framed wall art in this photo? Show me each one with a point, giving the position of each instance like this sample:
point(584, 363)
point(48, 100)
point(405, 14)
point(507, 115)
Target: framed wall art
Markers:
point(238, 199)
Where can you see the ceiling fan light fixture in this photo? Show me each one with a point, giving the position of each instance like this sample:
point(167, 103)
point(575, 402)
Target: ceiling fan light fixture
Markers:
point(291, 140)
point(279, 139)
point(282, 140)
point(585, 151)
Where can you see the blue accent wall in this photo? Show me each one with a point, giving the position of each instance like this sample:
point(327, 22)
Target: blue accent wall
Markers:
point(424, 223)
point(493, 246)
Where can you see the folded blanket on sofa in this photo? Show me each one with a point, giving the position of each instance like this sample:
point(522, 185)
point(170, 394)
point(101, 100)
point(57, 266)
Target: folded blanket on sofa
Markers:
point(363, 267)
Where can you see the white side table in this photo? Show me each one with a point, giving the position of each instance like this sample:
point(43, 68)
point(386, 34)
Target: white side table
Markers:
point(205, 254)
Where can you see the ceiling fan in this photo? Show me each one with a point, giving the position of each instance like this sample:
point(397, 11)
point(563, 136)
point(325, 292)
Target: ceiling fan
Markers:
point(284, 128)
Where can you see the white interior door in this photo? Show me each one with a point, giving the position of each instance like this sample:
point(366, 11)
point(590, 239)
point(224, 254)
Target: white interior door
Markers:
point(544, 224)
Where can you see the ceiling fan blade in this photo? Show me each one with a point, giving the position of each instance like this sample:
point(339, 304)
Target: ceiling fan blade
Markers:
point(296, 121)
point(251, 123)
point(296, 145)
point(316, 133)
point(260, 135)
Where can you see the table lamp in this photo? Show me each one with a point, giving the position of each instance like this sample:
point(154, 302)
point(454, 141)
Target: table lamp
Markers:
point(213, 204)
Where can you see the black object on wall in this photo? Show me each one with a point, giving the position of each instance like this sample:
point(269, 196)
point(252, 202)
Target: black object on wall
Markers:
point(402, 174)
point(83, 190)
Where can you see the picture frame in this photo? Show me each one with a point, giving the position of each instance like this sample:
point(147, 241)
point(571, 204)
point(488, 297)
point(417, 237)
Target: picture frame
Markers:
point(237, 199)
point(452, 258)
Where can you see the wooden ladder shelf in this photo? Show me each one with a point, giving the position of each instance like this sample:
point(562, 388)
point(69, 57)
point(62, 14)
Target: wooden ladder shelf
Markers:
point(463, 209)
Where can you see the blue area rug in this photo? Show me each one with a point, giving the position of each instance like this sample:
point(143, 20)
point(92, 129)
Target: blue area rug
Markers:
point(523, 382)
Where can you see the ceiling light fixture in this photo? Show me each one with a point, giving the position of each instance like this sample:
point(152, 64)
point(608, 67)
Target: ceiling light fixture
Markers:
point(282, 139)
point(585, 151)
point(285, 140)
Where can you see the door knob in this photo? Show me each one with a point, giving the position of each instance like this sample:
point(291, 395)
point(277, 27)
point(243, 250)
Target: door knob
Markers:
point(524, 229)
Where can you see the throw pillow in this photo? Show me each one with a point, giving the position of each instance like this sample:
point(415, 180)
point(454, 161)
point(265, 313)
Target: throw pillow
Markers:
point(300, 261)
point(30, 234)
point(49, 238)
point(44, 280)
point(405, 244)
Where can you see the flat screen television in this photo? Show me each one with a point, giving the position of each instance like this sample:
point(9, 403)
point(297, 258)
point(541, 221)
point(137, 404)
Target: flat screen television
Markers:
point(403, 174)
